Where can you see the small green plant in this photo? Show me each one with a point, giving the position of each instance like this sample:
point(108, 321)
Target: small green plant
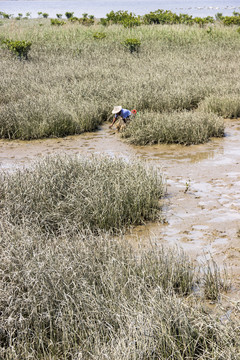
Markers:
point(99, 35)
point(40, 13)
point(45, 15)
point(4, 15)
point(57, 22)
point(59, 16)
point(133, 45)
point(20, 48)
point(69, 15)
point(74, 19)
point(187, 185)
point(86, 20)
point(28, 14)
point(209, 31)
point(104, 22)
point(219, 16)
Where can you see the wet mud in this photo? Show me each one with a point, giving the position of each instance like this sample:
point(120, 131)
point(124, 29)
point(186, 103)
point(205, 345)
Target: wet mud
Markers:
point(202, 205)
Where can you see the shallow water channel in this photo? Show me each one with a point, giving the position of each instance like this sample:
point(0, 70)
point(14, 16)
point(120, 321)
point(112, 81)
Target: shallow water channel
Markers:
point(202, 206)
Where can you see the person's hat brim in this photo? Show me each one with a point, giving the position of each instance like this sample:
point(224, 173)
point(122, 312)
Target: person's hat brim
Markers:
point(116, 109)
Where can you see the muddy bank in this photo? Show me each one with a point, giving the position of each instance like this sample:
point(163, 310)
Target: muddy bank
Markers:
point(202, 208)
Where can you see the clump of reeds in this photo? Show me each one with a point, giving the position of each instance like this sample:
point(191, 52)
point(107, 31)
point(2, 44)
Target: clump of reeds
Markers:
point(93, 297)
point(78, 193)
point(227, 106)
point(42, 117)
point(178, 127)
point(215, 281)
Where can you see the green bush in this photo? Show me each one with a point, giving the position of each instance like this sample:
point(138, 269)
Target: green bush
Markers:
point(104, 22)
point(219, 16)
point(99, 35)
point(69, 15)
point(231, 20)
point(57, 22)
point(18, 47)
point(161, 17)
point(78, 193)
point(132, 45)
point(59, 16)
point(45, 15)
point(168, 17)
point(130, 23)
point(74, 19)
point(4, 15)
point(86, 21)
point(123, 18)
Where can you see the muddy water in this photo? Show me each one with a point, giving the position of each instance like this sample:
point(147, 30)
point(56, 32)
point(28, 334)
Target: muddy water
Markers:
point(202, 207)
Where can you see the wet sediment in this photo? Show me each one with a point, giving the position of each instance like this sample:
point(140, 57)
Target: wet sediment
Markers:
point(202, 206)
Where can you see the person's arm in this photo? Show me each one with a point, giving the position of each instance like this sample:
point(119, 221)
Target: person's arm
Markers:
point(114, 119)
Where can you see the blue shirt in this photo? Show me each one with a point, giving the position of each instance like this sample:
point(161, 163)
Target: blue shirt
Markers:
point(124, 113)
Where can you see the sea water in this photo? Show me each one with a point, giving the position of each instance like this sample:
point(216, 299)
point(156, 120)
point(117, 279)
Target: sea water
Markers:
point(99, 8)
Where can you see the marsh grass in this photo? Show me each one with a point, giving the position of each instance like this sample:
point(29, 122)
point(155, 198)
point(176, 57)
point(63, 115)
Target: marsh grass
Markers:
point(40, 117)
point(77, 193)
point(185, 127)
point(92, 297)
point(78, 80)
point(215, 281)
point(227, 106)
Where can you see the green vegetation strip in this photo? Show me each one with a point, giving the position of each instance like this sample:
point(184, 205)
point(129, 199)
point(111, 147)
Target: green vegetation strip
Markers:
point(77, 193)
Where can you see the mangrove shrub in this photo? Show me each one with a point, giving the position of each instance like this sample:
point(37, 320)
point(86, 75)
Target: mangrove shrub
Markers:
point(18, 47)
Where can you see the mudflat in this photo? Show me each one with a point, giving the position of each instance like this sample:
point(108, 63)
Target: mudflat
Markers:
point(202, 207)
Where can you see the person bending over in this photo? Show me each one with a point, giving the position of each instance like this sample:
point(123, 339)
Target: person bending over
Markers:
point(120, 113)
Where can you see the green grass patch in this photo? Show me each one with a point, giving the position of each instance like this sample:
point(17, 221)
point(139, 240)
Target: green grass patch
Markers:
point(178, 127)
point(76, 193)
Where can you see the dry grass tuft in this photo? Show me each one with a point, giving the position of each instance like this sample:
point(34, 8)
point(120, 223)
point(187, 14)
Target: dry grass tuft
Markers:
point(77, 193)
point(93, 297)
point(178, 127)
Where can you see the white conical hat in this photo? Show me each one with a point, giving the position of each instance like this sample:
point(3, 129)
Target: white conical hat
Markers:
point(116, 109)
